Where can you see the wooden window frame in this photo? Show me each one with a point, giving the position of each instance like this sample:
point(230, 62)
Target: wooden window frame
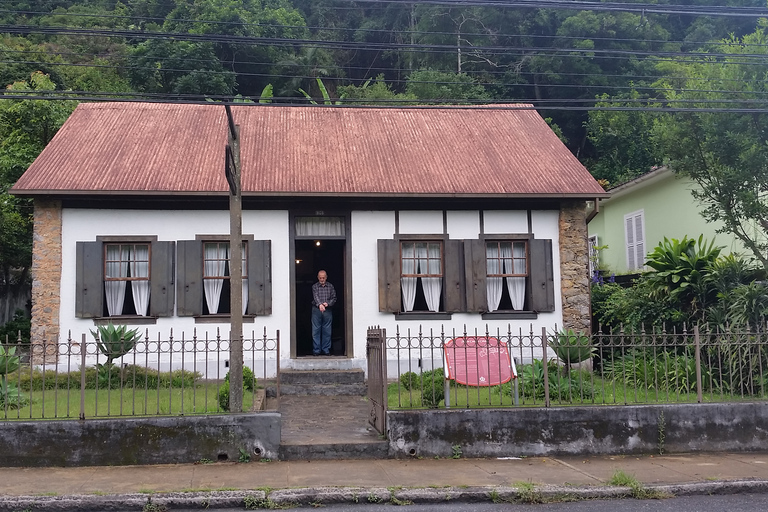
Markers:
point(527, 258)
point(511, 314)
point(244, 259)
point(424, 315)
point(91, 272)
point(128, 262)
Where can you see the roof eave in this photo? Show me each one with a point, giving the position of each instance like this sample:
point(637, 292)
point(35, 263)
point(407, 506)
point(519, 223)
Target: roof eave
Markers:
point(220, 193)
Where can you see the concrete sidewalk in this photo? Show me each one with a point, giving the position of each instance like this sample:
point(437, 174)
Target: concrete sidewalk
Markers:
point(312, 482)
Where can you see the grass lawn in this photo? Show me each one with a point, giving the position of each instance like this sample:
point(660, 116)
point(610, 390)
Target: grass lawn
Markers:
point(65, 404)
point(588, 391)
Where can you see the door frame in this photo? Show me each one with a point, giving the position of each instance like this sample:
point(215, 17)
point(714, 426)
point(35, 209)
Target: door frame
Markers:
point(346, 215)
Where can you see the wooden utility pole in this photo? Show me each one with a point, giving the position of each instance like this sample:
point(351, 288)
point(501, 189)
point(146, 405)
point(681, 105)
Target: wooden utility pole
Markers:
point(232, 172)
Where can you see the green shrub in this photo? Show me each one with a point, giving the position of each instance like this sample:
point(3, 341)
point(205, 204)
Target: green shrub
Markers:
point(664, 371)
point(432, 388)
point(409, 380)
point(249, 384)
point(129, 376)
point(20, 323)
point(249, 379)
point(576, 386)
point(224, 396)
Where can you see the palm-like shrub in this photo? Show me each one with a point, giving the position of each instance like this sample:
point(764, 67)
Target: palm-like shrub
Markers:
point(680, 266)
point(9, 393)
point(114, 342)
point(572, 347)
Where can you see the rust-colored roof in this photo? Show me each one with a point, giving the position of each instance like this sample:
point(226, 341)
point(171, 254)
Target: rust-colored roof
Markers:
point(160, 149)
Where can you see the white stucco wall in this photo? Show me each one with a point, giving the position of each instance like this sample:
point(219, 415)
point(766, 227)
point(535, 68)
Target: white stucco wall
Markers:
point(366, 228)
point(174, 225)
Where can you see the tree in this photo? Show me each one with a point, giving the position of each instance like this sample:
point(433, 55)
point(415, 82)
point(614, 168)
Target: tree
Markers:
point(431, 85)
point(622, 140)
point(725, 153)
point(26, 126)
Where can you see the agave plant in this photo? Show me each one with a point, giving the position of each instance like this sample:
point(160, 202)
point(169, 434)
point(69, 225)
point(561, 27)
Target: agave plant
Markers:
point(9, 393)
point(572, 347)
point(115, 341)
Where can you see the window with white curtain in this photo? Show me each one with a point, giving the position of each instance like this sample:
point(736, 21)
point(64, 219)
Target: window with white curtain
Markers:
point(506, 275)
point(124, 264)
point(216, 283)
point(421, 280)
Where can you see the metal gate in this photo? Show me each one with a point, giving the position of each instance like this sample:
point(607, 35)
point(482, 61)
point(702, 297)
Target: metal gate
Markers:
point(377, 378)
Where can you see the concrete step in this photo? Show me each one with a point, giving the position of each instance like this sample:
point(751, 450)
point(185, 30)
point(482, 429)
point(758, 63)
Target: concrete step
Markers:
point(305, 377)
point(323, 389)
point(334, 451)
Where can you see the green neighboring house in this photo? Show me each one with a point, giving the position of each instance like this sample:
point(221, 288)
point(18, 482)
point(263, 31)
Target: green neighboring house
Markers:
point(640, 213)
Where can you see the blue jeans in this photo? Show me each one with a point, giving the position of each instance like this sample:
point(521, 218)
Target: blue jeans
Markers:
point(321, 331)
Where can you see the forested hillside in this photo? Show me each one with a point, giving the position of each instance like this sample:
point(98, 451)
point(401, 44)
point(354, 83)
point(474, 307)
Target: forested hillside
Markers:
point(454, 53)
point(627, 85)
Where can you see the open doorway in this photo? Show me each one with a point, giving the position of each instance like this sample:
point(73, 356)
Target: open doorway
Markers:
point(311, 257)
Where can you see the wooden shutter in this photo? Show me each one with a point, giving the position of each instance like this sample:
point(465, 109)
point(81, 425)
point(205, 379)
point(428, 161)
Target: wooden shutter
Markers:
point(162, 292)
point(542, 276)
point(259, 277)
point(453, 277)
point(189, 278)
point(89, 280)
point(475, 269)
point(389, 275)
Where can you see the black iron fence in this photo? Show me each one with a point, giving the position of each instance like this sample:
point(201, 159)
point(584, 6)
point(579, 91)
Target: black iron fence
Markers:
point(460, 369)
point(84, 377)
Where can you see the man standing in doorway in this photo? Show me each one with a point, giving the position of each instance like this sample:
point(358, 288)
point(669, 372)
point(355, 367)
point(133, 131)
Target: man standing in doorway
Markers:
point(323, 299)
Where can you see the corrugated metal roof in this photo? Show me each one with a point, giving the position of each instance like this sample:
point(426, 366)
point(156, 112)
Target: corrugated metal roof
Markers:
point(149, 148)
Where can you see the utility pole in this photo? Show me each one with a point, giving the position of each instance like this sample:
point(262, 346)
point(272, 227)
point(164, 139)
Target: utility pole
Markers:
point(232, 173)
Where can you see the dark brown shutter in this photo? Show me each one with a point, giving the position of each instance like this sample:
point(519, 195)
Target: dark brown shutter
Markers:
point(542, 276)
point(389, 276)
point(189, 278)
point(475, 268)
point(259, 277)
point(454, 296)
point(162, 294)
point(89, 280)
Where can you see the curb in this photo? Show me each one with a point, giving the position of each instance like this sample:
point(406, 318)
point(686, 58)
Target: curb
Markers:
point(315, 496)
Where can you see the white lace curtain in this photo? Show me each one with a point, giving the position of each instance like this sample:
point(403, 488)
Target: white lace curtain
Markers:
point(505, 258)
point(121, 258)
point(140, 288)
point(117, 267)
point(422, 259)
point(215, 266)
point(319, 226)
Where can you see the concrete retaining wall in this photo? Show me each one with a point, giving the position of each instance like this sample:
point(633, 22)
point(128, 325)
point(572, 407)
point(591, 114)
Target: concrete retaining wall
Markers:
point(122, 441)
point(579, 430)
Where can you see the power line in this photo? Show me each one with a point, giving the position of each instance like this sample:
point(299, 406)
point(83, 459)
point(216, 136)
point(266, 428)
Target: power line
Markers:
point(495, 35)
point(698, 10)
point(276, 41)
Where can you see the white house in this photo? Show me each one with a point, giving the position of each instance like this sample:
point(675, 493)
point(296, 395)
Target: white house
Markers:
point(422, 218)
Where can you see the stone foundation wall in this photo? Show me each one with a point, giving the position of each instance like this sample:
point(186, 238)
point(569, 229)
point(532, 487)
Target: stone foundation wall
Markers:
point(46, 280)
point(574, 267)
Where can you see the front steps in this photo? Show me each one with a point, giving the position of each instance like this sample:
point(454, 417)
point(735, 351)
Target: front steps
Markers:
point(323, 382)
point(325, 416)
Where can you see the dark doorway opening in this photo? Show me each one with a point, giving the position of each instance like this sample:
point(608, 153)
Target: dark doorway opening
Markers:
point(311, 257)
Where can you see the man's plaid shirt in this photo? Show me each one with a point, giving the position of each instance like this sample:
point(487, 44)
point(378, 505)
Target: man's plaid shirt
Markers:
point(321, 294)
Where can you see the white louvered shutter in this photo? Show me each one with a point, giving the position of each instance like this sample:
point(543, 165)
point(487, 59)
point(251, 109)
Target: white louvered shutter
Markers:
point(635, 240)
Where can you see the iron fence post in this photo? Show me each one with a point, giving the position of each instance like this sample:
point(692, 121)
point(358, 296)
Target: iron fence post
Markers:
point(82, 377)
point(697, 344)
point(545, 365)
point(277, 367)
